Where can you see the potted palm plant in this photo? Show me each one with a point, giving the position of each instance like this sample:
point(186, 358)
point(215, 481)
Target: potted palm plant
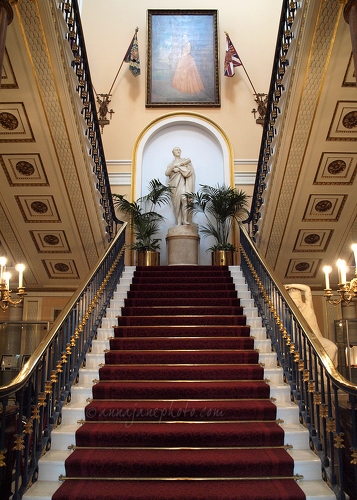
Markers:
point(145, 221)
point(222, 206)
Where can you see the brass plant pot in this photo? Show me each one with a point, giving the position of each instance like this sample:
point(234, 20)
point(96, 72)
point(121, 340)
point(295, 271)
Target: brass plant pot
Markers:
point(223, 258)
point(148, 258)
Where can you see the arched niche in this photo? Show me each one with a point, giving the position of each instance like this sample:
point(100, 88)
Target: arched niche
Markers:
point(202, 141)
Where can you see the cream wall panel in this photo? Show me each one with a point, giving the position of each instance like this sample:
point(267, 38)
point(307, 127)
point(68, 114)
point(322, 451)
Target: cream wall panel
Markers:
point(252, 27)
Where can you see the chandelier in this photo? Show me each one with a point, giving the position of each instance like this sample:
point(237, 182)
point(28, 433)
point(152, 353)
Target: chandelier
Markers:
point(5, 293)
point(346, 289)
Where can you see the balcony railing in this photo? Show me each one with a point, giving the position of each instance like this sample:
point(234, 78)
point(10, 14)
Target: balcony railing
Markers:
point(289, 22)
point(31, 404)
point(80, 65)
point(327, 401)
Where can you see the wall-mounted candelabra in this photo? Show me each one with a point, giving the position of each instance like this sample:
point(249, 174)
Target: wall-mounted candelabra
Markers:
point(5, 293)
point(346, 289)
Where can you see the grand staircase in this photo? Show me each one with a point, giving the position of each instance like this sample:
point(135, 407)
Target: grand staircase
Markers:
point(180, 398)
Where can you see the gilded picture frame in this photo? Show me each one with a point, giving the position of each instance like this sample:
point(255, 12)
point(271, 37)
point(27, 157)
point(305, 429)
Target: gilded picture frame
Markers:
point(182, 58)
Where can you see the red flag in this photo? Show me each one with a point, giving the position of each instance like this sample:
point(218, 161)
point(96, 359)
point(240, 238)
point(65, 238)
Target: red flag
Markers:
point(232, 58)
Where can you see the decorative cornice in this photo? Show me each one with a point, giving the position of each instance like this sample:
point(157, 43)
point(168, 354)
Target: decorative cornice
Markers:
point(124, 178)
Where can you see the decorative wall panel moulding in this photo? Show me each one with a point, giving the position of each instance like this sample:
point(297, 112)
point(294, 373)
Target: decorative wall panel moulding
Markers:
point(38, 208)
point(344, 122)
point(8, 80)
point(324, 207)
point(336, 168)
point(24, 169)
point(60, 268)
point(312, 240)
point(299, 268)
point(14, 123)
point(50, 241)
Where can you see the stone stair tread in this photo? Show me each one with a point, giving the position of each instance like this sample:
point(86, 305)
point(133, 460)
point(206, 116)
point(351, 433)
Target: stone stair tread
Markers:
point(314, 490)
point(295, 434)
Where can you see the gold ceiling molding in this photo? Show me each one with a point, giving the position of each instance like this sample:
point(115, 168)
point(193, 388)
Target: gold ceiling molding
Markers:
point(50, 241)
point(38, 51)
point(312, 240)
point(24, 169)
point(60, 269)
point(38, 208)
point(336, 168)
point(7, 234)
point(299, 268)
point(324, 35)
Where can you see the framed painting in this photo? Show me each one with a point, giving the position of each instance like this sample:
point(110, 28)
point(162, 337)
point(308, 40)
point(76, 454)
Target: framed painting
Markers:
point(182, 63)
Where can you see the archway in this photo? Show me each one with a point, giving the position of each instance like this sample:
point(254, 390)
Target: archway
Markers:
point(202, 141)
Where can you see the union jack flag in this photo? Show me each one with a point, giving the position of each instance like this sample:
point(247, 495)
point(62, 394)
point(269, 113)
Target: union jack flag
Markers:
point(232, 58)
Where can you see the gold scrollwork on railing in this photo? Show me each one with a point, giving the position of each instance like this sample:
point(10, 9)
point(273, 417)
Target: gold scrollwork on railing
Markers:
point(86, 316)
point(338, 440)
point(19, 442)
point(330, 424)
point(42, 399)
point(2, 458)
point(48, 387)
point(311, 386)
point(354, 457)
point(317, 398)
point(324, 410)
point(35, 413)
point(28, 426)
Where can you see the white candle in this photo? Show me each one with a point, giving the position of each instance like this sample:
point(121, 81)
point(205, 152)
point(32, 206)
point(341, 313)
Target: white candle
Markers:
point(354, 248)
point(20, 268)
point(341, 264)
point(327, 270)
point(7, 277)
point(2, 267)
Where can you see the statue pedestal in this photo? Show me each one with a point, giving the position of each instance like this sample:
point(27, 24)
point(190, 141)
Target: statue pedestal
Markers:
point(182, 244)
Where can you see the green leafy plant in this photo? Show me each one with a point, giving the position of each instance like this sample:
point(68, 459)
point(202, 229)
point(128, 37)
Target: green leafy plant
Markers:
point(222, 206)
point(143, 217)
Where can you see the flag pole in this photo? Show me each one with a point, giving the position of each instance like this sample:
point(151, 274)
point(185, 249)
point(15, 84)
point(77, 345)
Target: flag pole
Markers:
point(120, 67)
point(250, 81)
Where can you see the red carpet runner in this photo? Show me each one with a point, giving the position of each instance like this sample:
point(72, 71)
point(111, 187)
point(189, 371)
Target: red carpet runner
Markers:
point(181, 411)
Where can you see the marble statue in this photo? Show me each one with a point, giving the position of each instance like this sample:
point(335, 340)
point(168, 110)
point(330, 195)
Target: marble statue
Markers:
point(306, 307)
point(182, 179)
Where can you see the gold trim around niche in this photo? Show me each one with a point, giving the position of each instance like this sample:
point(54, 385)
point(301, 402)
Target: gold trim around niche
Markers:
point(182, 114)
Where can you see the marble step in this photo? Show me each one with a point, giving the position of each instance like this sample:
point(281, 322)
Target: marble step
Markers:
point(262, 344)
point(296, 436)
point(87, 375)
point(81, 393)
point(268, 359)
point(115, 310)
point(306, 464)
point(74, 411)
point(314, 490)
